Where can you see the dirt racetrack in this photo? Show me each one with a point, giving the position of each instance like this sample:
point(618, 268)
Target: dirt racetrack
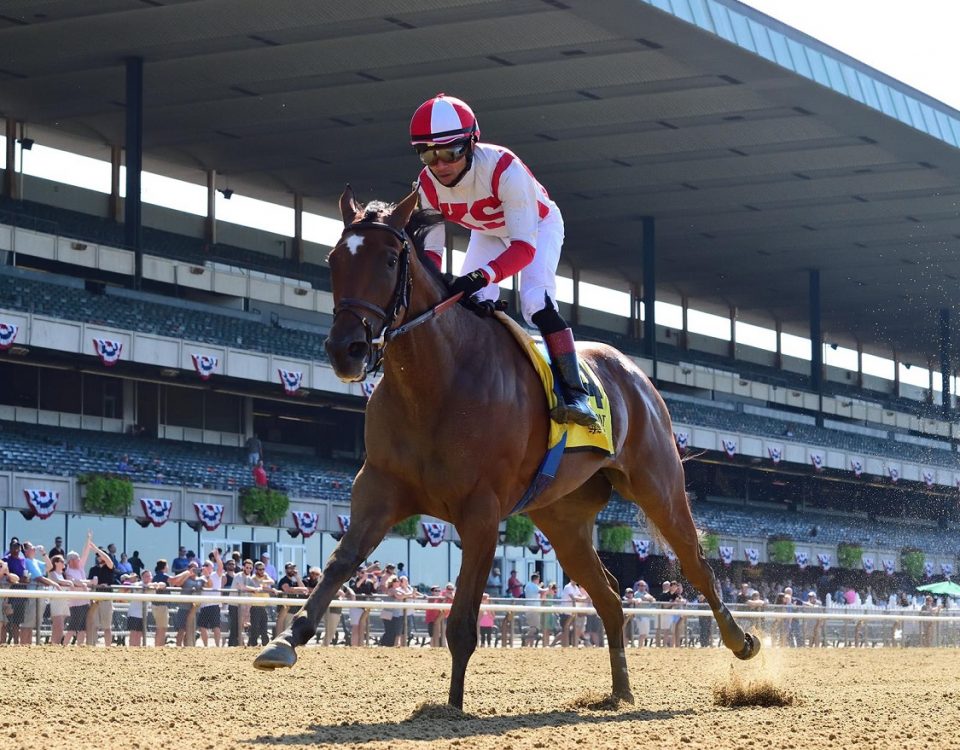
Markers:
point(205, 698)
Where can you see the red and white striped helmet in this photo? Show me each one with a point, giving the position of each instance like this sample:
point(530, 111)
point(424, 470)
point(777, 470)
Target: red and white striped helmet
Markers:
point(441, 120)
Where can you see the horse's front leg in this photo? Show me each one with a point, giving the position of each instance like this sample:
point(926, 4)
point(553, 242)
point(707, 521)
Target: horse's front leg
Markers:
point(478, 534)
point(376, 505)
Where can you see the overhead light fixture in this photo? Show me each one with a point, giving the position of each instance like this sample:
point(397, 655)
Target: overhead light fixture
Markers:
point(26, 143)
point(227, 194)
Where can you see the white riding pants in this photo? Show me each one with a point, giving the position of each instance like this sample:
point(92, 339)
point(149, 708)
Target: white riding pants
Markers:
point(537, 279)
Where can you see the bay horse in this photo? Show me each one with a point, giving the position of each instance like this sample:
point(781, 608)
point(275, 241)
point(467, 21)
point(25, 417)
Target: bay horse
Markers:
point(456, 429)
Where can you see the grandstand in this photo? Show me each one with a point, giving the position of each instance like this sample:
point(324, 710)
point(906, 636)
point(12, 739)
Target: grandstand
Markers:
point(739, 179)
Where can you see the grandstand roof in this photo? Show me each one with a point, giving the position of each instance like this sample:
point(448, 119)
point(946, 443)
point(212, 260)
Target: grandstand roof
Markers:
point(754, 170)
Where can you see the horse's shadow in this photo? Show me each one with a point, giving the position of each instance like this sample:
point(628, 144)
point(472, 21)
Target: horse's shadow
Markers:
point(426, 729)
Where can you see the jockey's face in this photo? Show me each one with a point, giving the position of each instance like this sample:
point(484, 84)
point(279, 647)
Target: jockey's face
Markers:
point(447, 172)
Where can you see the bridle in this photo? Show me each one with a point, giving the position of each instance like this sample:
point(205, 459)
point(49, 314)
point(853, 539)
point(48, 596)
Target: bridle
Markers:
point(399, 300)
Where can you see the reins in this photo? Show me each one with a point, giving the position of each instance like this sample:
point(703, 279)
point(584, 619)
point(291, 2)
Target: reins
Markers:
point(399, 300)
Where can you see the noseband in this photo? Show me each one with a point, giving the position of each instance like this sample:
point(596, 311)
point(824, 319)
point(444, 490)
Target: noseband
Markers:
point(399, 300)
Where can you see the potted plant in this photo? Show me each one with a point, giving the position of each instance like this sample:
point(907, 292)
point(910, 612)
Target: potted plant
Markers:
point(781, 550)
point(263, 506)
point(849, 555)
point(408, 527)
point(911, 562)
point(106, 495)
point(613, 538)
point(519, 530)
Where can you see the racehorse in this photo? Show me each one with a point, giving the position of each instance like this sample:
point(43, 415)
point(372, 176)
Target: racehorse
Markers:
point(456, 429)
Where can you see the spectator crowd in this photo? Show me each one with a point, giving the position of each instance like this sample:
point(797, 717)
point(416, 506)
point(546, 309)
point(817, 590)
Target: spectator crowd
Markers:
point(84, 621)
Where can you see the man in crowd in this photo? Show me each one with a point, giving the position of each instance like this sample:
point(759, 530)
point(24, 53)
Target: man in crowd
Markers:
point(35, 577)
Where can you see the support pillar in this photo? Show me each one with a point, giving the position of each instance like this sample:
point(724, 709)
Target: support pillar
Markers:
point(132, 215)
point(297, 228)
point(778, 355)
point(733, 332)
point(575, 312)
point(10, 172)
point(210, 225)
point(649, 291)
point(816, 341)
point(684, 332)
point(860, 365)
point(946, 361)
point(116, 202)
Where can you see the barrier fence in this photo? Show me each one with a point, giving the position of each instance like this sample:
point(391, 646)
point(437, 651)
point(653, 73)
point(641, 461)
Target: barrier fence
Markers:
point(534, 624)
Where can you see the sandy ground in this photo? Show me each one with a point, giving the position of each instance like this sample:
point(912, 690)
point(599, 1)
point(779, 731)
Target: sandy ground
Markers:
point(212, 698)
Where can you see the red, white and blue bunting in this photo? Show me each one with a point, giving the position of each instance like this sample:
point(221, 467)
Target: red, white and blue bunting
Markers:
point(867, 564)
point(816, 459)
point(671, 555)
point(928, 477)
point(157, 511)
point(683, 440)
point(291, 380)
point(946, 569)
point(824, 559)
point(209, 514)
point(752, 554)
point(367, 386)
point(306, 522)
point(888, 567)
point(802, 558)
point(434, 532)
point(730, 446)
point(726, 555)
point(894, 474)
point(43, 502)
point(856, 466)
point(108, 351)
point(775, 453)
point(205, 365)
point(8, 334)
point(344, 522)
point(927, 569)
point(642, 548)
point(542, 542)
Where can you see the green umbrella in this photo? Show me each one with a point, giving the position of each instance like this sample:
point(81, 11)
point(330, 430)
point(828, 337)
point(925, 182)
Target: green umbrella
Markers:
point(943, 587)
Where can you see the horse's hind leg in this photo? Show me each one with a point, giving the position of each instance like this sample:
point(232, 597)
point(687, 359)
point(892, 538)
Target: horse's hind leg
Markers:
point(568, 524)
point(667, 507)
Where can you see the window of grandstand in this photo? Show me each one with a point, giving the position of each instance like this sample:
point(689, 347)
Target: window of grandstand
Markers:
point(761, 338)
point(880, 367)
point(914, 375)
point(840, 357)
point(608, 300)
point(708, 324)
point(795, 346)
point(66, 167)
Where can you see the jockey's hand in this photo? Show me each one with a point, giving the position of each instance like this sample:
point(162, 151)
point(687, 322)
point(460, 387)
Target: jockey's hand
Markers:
point(470, 284)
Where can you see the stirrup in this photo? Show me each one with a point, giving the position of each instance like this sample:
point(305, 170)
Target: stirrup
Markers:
point(576, 411)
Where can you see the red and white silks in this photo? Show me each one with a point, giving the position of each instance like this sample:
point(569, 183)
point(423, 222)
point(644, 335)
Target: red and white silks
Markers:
point(108, 351)
point(43, 502)
point(306, 522)
point(209, 514)
point(156, 510)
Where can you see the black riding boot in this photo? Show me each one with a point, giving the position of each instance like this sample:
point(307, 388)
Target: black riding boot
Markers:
point(576, 406)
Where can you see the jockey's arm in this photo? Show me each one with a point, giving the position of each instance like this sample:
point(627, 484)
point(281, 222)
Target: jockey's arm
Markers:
point(518, 194)
point(434, 244)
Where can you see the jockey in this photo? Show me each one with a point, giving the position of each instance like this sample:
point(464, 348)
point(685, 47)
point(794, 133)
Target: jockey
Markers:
point(513, 226)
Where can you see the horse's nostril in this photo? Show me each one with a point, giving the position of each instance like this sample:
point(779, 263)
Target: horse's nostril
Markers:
point(357, 349)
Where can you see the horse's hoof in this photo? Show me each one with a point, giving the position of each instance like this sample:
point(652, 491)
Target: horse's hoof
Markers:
point(275, 655)
point(625, 697)
point(751, 647)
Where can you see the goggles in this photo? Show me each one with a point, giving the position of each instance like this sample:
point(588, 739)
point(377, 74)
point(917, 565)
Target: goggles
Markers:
point(447, 154)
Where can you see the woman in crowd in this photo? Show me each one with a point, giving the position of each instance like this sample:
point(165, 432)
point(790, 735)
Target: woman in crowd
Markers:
point(77, 625)
point(486, 623)
point(59, 608)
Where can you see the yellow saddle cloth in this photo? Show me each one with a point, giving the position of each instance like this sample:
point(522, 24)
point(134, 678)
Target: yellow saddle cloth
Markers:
point(577, 436)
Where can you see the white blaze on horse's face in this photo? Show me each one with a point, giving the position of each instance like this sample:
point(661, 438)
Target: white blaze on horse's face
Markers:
point(353, 242)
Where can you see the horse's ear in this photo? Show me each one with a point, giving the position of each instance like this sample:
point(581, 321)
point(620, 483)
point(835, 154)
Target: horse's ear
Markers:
point(400, 215)
point(349, 208)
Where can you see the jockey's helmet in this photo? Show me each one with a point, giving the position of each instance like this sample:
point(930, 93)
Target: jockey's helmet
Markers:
point(443, 120)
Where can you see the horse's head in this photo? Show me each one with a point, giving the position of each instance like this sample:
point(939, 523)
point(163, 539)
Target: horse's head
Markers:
point(370, 271)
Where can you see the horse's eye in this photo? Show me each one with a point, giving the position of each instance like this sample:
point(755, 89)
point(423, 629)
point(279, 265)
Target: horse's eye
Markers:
point(392, 261)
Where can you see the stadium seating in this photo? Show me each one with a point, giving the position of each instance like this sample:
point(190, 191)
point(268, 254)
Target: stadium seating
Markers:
point(68, 299)
point(65, 452)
